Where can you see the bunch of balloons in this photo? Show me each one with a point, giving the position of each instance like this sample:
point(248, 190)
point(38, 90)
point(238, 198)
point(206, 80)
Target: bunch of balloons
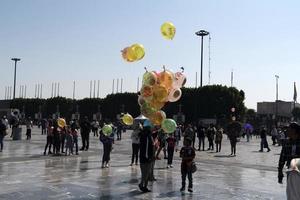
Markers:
point(133, 53)
point(159, 88)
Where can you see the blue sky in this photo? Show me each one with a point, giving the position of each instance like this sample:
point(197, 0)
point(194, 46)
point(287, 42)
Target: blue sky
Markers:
point(66, 40)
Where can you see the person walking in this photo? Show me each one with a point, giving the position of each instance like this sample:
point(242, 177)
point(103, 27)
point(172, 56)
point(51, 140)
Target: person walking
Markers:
point(85, 129)
point(107, 147)
point(146, 156)
point(171, 147)
point(44, 126)
point(162, 144)
point(56, 138)
point(69, 141)
point(178, 133)
point(201, 137)
point(29, 126)
point(187, 153)
point(3, 132)
point(274, 134)
point(233, 132)
point(218, 140)
point(135, 137)
point(74, 133)
point(264, 141)
point(290, 149)
point(63, 135)
point(211, 132)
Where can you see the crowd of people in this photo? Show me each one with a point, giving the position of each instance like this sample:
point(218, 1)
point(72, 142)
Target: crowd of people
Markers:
point(148, 142)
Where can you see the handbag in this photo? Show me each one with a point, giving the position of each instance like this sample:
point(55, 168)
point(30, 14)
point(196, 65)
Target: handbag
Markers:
point(193, 167)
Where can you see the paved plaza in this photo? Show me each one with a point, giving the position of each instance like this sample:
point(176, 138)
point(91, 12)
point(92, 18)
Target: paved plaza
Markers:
point(26, 174)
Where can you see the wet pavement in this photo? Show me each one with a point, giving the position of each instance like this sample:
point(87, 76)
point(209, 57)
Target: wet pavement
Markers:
point(26, 174)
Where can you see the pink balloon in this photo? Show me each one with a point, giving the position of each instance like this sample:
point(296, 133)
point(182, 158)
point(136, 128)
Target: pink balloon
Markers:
point(174, 94)
point(180, 79)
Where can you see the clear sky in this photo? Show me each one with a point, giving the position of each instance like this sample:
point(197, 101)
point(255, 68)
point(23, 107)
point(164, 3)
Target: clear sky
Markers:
point(66, 40)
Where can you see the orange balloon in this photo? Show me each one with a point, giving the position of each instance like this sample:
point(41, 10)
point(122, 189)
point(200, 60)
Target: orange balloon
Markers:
point(127, 54)
point(147, 92)
point(157, 117)
point(166, 78)
point(160, 93)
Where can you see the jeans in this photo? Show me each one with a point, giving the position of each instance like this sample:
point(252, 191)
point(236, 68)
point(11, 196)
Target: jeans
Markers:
point(218, 146)
point(106, 152)
point(264, 144)
point(186, 171)
point(85, 137)
point(201, 140)
point(211, 143)
point(135, 153)
point(233, 146)
point(145, 171)
point(170, 155)
point(75, 140)
point(49, 143)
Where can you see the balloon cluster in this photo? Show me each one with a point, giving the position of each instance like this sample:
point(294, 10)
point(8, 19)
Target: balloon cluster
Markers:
point(157, 90)
point(133, 53)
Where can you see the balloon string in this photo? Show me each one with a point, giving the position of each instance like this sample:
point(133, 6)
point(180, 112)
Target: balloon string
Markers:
point(164, 68)
point(146, 69)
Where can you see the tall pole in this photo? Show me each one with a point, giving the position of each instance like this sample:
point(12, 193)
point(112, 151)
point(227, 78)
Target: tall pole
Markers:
point(94, 88)
point(98, 89)
point(15, 75)
point(55, 85)
point(52, 90)
point(209, 59)
point(231, 78)
point(113, 86)
point(41, 90)
point(38, 91)
point(35, 91)
point(25, 91)
point(5, 93)
point(91, 85)
point(20, 91)
point(73, 90)
point(58, 89)
point(117, 86)
point(276, 103)
point(121, 85)
point(201, 33)
point(196, 84)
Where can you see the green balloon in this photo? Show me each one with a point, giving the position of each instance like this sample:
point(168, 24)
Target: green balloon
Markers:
point(149, 78)
point(107, 130)
point(168, 125)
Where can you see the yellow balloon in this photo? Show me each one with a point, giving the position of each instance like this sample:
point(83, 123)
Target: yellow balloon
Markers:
point(127, 54)
point(166, 78)
point(157, 117)
point(160, 93)
point(61, 122)
point(168, 30)
point(149, 78)
point(147, 110)
point(138, 51)
point(156, 104)
point(127, 119)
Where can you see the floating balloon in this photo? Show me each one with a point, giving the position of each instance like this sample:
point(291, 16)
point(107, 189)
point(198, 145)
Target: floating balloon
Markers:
point(166, 79)
point(160, 93)
point(180, 79)
point(175, 95)
point(138, 51)
point(133, 53)
point(147, 92)
point(158, 117)
point(127, 54)
point(169, 125)
point(107, 130)
point(127, 119)
point(61, 122)
point(168, 30)
point(149, 78)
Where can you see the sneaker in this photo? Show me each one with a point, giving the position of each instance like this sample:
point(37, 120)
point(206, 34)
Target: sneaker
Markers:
point(168, 166)
point(182, 189)
point(44, 153)
point(131, 164)
point(107, 165)
point(77, 153)
point(102, 166)
point(269, 150)
point(171, 166)
point(190, 189)
point(136, 163)
point(260, 151)
point(147, 190)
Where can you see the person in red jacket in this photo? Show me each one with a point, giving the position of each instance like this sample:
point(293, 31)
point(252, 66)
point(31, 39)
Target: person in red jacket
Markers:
point(171, 147)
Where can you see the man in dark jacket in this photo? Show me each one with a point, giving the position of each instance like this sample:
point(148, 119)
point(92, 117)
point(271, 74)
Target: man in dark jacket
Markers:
point(146, 156)
point(85, 129)
point(290, 149)
point(264, 141)
point(201, 137)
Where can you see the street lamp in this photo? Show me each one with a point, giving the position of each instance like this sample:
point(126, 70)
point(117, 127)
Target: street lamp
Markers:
point(201, 33)
point(15, 75)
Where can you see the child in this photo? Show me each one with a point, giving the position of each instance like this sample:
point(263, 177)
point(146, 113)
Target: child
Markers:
point(187, 153)
point(171, 146)
point(218, 139)
point(28, 128)
point(69, 141)
point(74, 133)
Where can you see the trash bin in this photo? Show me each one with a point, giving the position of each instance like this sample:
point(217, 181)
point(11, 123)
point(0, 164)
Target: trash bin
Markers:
point(17, 133)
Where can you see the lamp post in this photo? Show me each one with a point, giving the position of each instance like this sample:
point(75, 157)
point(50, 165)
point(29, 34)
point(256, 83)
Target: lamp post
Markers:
point(201, 33)
point(15, 75)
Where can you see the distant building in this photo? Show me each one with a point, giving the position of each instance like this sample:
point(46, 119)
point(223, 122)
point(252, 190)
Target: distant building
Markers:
point(267, 110)
point(5, 108)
